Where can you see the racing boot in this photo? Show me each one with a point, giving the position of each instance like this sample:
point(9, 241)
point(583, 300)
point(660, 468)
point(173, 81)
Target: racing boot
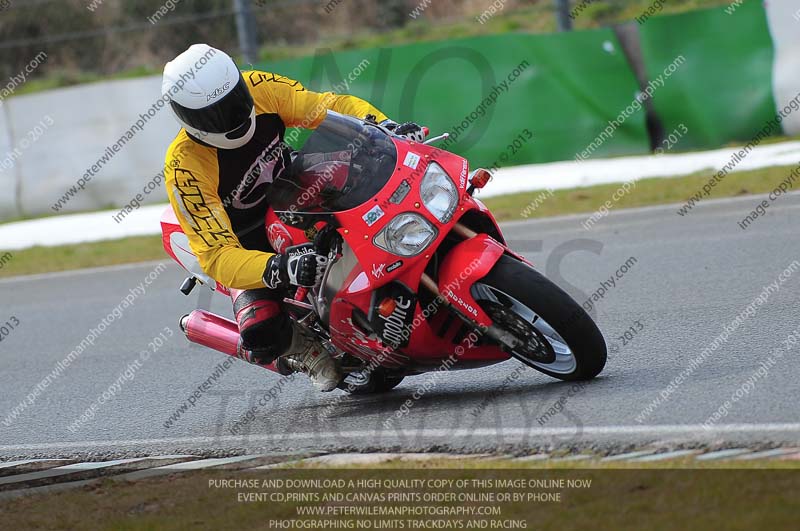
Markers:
point(308, 354)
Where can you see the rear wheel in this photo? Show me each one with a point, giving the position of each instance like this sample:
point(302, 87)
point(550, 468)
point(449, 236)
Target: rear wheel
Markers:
point(553, 333)
point(370, 382)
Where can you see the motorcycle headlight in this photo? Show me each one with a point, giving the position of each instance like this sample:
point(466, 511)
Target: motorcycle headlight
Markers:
point(408, 234)
point(439, 193)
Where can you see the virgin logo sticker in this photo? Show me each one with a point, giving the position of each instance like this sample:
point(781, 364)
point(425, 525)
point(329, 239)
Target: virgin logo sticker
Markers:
point(377, 270)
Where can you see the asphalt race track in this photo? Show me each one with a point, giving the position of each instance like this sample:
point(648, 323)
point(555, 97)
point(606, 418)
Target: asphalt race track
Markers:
point(691, 276)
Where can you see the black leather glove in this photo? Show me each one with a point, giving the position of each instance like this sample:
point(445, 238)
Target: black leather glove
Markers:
point(299, 266)
point(408, 130)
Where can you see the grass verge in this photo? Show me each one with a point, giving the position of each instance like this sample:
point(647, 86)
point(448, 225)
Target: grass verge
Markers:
point(654, 497)
point(645, 192)
point(79, 256)
point(508, 207)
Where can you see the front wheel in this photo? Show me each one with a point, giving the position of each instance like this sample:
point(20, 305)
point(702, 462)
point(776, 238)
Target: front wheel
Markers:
point(553, 333)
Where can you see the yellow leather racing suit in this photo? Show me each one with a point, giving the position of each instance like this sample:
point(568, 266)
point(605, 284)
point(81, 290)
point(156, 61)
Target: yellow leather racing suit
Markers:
point(220, 196)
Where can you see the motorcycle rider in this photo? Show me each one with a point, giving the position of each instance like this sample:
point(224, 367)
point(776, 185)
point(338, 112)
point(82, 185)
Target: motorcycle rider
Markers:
point(218, 173)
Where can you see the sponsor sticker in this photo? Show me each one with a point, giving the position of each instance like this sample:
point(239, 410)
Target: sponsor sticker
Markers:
point(464, 304)
point(300, 250)
point(218, 91)
point(395, 326)
point(378, 270)
point(373, 214)
point(412, 160)
point(394, 266)
point(279, 237)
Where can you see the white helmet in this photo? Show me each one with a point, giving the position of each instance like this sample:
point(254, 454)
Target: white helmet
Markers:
point(209, 97)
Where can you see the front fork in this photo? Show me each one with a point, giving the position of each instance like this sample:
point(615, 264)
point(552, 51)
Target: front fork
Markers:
point(465, 264)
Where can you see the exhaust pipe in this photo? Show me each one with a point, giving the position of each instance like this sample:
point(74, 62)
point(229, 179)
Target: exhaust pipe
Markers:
point(217, 333)
point(211, 331)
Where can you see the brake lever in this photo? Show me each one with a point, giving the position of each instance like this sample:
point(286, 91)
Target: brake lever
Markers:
point(437, 138)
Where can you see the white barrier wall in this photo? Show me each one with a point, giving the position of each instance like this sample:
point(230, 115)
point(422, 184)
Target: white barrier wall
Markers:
point(784, 22)
point(61, 133)
point(8, 169)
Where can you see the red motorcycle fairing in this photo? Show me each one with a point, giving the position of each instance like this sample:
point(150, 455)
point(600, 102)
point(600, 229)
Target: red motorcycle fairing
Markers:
point(468, 262)
point(280, 235)
point(375, 268)
point(176, 244)
point(478, 206)
point(379, 290)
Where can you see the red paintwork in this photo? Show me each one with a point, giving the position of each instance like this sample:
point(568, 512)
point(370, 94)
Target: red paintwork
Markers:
point(170, 226)
point(468, 262)
point(425, 348)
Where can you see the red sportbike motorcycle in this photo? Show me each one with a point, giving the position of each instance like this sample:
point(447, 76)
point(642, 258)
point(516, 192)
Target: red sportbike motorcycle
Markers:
point(419, 277)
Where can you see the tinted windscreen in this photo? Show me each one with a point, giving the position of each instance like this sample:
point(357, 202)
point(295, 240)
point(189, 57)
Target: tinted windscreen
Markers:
point(343, 164)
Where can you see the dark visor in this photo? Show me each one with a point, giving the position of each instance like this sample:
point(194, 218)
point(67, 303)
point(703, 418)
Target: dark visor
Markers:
point(222, 116)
